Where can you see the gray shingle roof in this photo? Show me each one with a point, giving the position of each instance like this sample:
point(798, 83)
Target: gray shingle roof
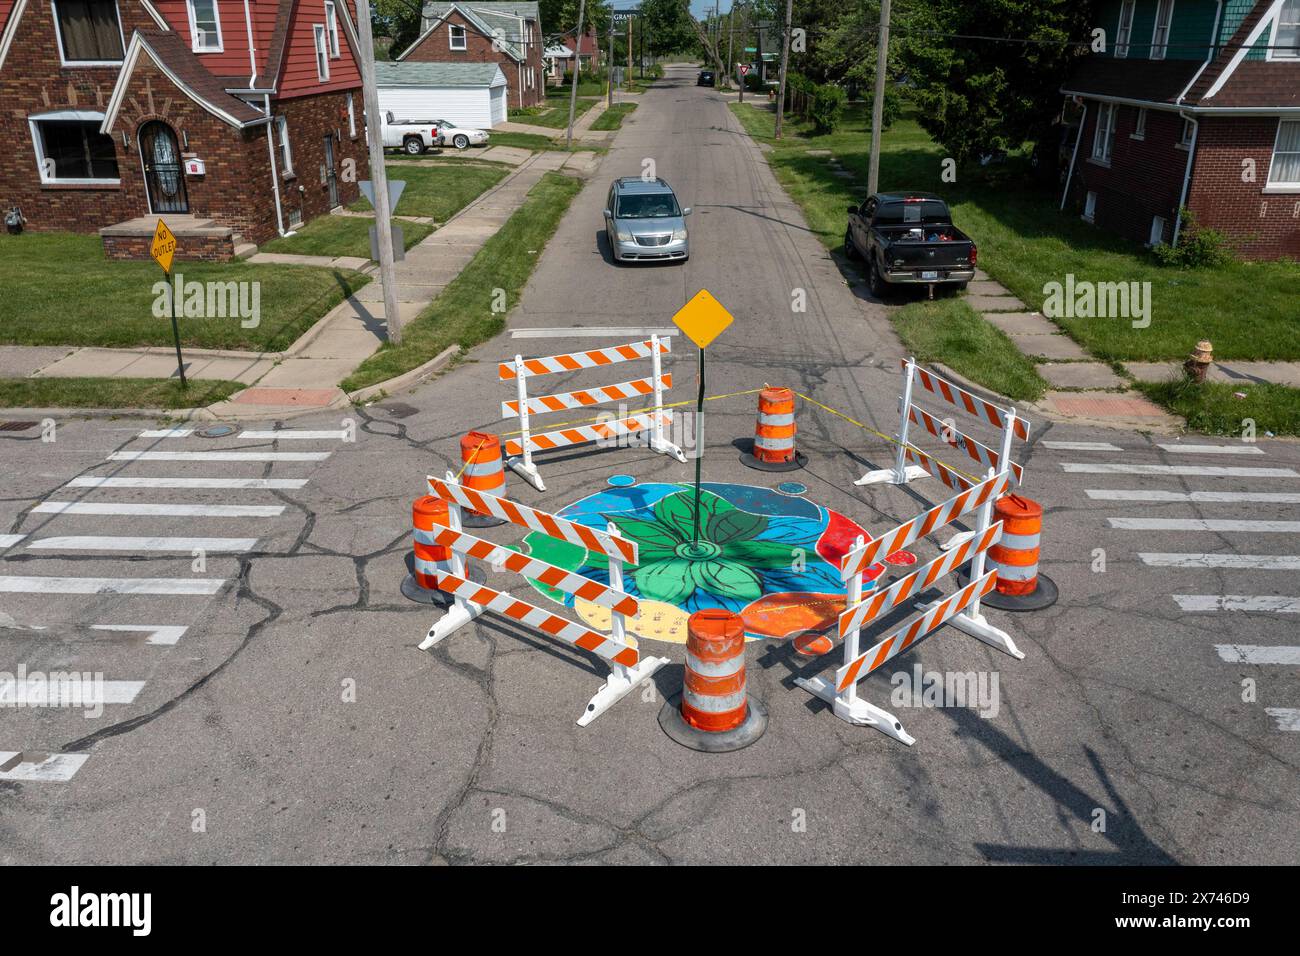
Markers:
point(526, 10)
point(435, 74)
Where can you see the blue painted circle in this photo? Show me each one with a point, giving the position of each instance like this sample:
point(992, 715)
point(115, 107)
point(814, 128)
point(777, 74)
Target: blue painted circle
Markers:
point(620, 481)
point(791, 488)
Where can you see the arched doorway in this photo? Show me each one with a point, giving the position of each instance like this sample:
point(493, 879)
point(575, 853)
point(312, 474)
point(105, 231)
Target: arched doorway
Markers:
point(163, 175)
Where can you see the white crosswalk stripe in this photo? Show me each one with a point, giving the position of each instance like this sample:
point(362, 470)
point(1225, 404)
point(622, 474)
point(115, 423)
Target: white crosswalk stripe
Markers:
point(1238, 602)
point(1190, 471)
point(20, 767)
point(252, 484)
point(164, 634)
point(1080, 445)
point(1196, 497)
point(88, 542)
point(157, 510)
point(23, 584)
point(1288, 718)
point(71, 690)
point(218, 456)
point(1205, 524)
point(9, 540)
point(1257, 654)
point(1214, 449)
point(1261, 562)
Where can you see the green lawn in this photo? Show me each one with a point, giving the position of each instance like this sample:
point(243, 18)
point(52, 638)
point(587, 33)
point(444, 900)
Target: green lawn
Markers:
point(439, 192)
point(556, 116)
point(339, 236)
point(1248, 310)
point(532, 141)
point(112, 392)
point(60, 290)
point(951, 332)
point(1214, 407)
point(463, 313)
point(612, 118)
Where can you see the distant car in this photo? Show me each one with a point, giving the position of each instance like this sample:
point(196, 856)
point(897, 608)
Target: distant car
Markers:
point(705, 78)
point(644, 223)
point(462, 137)
point(412, 136)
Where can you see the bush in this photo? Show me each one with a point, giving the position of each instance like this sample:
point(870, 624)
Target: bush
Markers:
point(827, 109)
point(1197, 246)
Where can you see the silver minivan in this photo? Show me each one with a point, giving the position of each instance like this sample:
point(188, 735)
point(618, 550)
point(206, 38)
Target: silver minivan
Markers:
point(644, 223)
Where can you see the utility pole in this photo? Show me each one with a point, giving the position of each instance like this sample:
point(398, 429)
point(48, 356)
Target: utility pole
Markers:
point(609, 96)
point(785, 65)
point(629, 51)
point(577, 72)
point(878, 105)
point(731, 37)
point(378, 174)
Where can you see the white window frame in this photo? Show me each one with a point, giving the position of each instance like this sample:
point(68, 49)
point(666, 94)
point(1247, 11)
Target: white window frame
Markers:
point(194, 30)
point(352, 118)
point(1272, 186)
point(1090, 207)
point(1106, 143)
point(1158, 50)
point(58, 37)
point(332, 29)
point(1123, 35)
point(451, 37)
point(286, 150)
point(1154, 237)
point(1273, 53)
point(38, 145)
point(1186, 134)
point(321, 39)
point(1139, 125)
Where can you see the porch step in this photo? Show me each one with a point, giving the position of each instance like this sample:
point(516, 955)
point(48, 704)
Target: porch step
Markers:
point(196, 238)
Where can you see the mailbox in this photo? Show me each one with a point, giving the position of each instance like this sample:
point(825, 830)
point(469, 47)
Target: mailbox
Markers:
point(195, 167)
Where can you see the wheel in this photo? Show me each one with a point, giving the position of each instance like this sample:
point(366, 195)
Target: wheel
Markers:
point(850, 249)
point(413, 145)
point(874, 282)
point(460, 141)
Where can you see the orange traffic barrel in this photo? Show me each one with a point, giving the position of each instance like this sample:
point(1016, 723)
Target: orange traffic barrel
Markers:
point(714, 712)
point(426, 561)
point(482, 470)
point(1020, 585)
point(774, 447)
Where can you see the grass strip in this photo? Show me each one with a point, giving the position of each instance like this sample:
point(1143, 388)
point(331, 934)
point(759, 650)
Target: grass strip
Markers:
point(1214, 408)
point(113, 392)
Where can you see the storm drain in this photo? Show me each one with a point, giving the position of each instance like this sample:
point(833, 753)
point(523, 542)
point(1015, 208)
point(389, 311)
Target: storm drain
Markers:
point(16, 426)
point(217, 431)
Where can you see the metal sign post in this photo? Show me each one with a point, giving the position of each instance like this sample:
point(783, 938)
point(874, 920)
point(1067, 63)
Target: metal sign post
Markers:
point(702, 319)
point(163, 251)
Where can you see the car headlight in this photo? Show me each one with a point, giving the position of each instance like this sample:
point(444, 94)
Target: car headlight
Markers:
point(624, 235)
point(679, 235)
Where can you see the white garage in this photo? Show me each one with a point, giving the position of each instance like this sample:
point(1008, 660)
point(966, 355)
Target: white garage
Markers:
point(467, 94)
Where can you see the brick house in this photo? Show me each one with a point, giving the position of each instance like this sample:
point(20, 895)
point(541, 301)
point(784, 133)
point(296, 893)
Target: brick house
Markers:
point(234, 120)
point(1195, 104)
point(486, 31)
point(559, 55)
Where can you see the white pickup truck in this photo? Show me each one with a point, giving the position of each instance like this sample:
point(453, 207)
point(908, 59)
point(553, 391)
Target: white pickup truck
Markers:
point(411, 136)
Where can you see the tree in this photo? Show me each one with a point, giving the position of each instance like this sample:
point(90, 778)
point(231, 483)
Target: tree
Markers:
point(975, 96)
point(668, 27)
point(398, 19)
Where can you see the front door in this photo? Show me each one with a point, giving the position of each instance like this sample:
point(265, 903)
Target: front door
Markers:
point(163, 175)
point(331, 177)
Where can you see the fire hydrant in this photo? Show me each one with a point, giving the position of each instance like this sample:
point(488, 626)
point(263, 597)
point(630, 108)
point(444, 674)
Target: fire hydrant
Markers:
point(1199, 362)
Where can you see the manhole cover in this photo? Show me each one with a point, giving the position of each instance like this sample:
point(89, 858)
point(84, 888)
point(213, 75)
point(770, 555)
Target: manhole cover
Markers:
point(16, 426)
point(217, 431)
point(399, 410)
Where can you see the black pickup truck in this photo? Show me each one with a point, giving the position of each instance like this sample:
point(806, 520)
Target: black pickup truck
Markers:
point(909, 239)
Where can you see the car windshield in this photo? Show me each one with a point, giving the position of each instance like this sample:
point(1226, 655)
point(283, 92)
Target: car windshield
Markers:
point(648, 206)
point(923, 211)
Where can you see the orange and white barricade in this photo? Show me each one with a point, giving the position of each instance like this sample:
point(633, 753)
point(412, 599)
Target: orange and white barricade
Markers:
point(961, 609)
point(651, 422)
point(470, 599)
point(910, 462)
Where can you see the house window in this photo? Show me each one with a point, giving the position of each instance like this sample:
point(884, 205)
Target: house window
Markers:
point(322, 53)
point(1140, 124)
point(456, 36)
point(1160, 35)
point(73, 150)
point(1286, 33)
point(332, 29)
point(1157, 236)
point(1090, 207)
point(89, 31)
point(286, 151)
point(1125, 32)
point(205, 26)
point(1103, 142)
point(1187, 135)
point(352, 118)
point(1285, 169)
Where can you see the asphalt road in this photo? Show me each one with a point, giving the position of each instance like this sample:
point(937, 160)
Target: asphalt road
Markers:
point(279, 711)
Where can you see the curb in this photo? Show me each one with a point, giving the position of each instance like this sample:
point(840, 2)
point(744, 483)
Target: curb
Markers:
point(406, 379)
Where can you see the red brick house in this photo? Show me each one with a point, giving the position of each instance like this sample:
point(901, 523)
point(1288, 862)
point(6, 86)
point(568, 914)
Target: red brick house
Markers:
point(1195, 104)
point(237, 120)
point(486, 31)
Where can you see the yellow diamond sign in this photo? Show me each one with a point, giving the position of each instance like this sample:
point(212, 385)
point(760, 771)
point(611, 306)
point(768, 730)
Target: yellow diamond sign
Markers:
point(702, 319)
point(164, 246)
